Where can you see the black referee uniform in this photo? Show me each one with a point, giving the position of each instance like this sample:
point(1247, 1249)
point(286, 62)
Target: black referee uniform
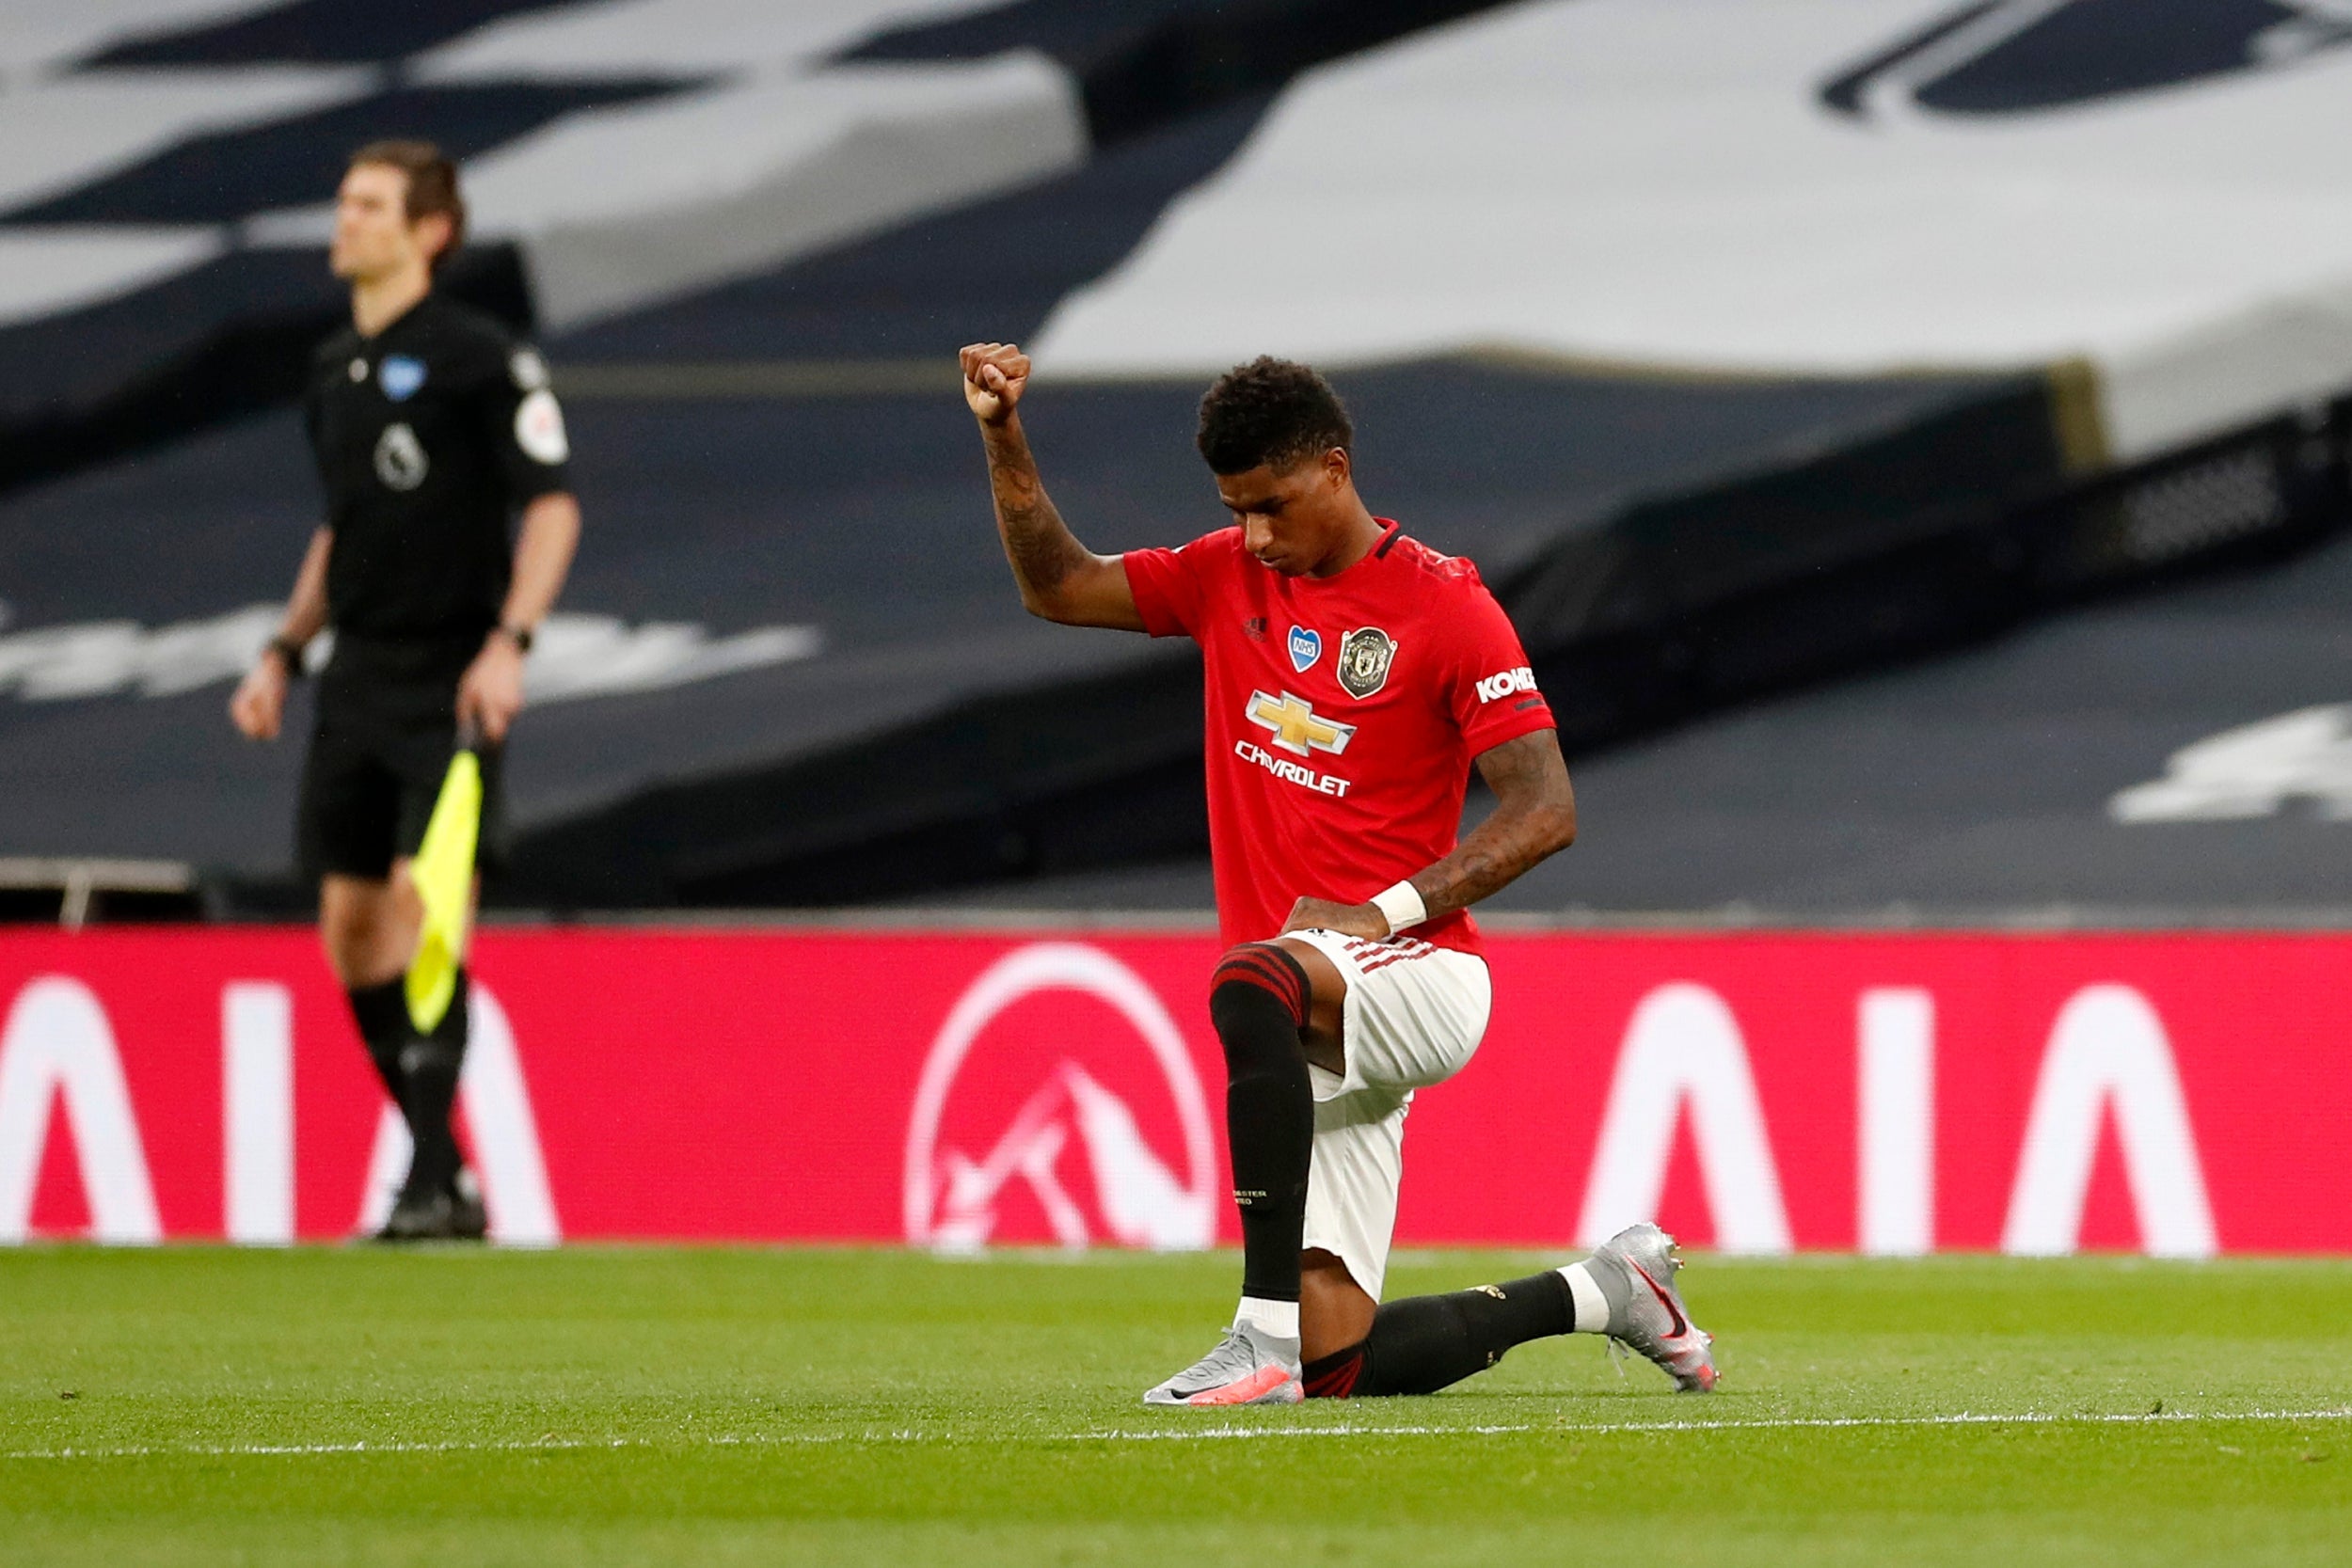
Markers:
point(429, 438)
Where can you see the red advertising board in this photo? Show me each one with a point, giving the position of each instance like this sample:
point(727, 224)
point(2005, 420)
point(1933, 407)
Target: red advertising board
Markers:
point(2178, 1094)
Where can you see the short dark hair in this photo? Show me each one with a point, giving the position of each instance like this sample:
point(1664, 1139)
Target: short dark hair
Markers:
point(432, 185)
point(1274, 412)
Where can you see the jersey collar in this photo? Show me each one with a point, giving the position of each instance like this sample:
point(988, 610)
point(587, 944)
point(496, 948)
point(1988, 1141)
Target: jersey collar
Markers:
point(1389, 533)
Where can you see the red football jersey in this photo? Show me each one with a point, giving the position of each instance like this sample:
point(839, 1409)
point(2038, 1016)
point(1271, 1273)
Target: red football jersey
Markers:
point(1341, 716)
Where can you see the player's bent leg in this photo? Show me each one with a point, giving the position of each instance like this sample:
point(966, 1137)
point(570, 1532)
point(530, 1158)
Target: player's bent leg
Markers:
point(1424, 1343)
point(1625, 1290)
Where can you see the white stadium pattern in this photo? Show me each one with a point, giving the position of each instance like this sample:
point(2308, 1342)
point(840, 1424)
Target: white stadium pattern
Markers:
point(753, 152)
point(44, 270)
point(63, 132)
point(319, 31)
point(1798, 188)
point(575, 656)
point(39, 37)
point(1658, 183)
point(624, 207)
point(163, 170)
point(680, 36)
point(236, 174)
point(58, 134)
point(2252, 770)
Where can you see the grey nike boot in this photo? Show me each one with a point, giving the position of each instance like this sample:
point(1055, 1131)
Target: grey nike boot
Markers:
point(1635, 1270)
point(1248, 1366)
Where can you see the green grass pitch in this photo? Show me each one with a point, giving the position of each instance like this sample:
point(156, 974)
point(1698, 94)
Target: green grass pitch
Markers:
point(719, 1407)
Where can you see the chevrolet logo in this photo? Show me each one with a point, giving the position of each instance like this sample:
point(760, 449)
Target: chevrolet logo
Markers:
point(1295, 727)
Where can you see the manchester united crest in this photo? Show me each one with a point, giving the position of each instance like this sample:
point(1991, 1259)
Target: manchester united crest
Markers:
point(1364, 660)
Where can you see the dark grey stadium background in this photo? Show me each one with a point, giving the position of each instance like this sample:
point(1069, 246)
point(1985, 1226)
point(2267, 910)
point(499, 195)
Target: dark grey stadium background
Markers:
point(1827, 650)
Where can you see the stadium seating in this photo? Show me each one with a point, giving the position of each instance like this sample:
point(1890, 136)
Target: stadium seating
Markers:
point(1743, 348)
point(2149, 186)
point(172, 182)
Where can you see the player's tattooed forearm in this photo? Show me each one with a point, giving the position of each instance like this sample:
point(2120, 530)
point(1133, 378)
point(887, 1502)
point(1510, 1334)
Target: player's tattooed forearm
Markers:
point(1485, 863)
point(1011, 470)
point(1535, 817)
point(1045, 556)
point(1040, 547)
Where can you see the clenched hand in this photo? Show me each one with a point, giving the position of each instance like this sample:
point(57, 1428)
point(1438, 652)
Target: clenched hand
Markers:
point(994, 376)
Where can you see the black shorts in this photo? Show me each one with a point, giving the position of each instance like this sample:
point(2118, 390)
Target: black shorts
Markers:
point(378, 755)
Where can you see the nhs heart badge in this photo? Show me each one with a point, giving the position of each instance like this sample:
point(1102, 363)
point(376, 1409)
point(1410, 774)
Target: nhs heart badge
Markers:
point(1306, 648)
point(399, 375)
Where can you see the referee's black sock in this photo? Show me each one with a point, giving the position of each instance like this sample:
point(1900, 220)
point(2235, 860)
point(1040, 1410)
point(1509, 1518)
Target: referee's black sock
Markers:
point(1424, 1343)
point(1258, 1001)
point(382, 1014)
point(429, 1070)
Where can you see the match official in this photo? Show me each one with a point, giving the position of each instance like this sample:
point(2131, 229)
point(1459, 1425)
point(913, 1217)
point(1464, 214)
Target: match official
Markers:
point(432, 429)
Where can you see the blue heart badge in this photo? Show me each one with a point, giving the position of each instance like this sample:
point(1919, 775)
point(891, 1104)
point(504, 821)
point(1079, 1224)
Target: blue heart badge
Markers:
point(1306, 648)
point(399, 375)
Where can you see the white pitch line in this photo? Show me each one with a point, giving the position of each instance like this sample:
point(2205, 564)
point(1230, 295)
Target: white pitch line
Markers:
point(1769, 1423)
point(1182, 1435)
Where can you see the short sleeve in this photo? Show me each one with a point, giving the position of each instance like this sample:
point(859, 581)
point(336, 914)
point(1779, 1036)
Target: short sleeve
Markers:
point(1490, 689)
point(1167, 587)
point(526, 427)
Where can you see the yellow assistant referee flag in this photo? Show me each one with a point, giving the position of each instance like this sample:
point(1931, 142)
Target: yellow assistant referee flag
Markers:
point(443, 872)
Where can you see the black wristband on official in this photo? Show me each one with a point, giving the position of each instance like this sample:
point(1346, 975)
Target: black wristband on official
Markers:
point(289, 654)
point(519, 636)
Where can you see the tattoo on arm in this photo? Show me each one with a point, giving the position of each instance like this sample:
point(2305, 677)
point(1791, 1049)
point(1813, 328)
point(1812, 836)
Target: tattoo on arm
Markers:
point(1536, 816)
point(1038, 542)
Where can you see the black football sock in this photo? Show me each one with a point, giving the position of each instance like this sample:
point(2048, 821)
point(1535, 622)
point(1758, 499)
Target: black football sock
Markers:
point(1424, 1343)
point(382, 1014)
point(429, 1070)
point(1258, 1001)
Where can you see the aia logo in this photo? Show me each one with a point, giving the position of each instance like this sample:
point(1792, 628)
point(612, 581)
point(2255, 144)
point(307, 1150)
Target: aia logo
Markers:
point(2025, 56)
point(1058, 1103)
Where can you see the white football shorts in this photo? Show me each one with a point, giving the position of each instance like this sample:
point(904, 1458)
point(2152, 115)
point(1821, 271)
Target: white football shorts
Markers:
point(1413, 1015)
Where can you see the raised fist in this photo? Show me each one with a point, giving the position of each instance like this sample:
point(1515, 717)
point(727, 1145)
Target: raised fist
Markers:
point(993, 375)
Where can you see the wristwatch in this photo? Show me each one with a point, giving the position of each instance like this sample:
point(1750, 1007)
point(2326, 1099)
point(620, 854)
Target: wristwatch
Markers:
point(519, 636)
point(289, 654)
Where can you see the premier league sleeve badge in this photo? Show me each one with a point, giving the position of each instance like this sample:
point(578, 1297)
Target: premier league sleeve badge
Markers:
point(1365, 656)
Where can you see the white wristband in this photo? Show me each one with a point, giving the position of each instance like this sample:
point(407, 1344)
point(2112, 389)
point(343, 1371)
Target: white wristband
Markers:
point(1401, 906)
